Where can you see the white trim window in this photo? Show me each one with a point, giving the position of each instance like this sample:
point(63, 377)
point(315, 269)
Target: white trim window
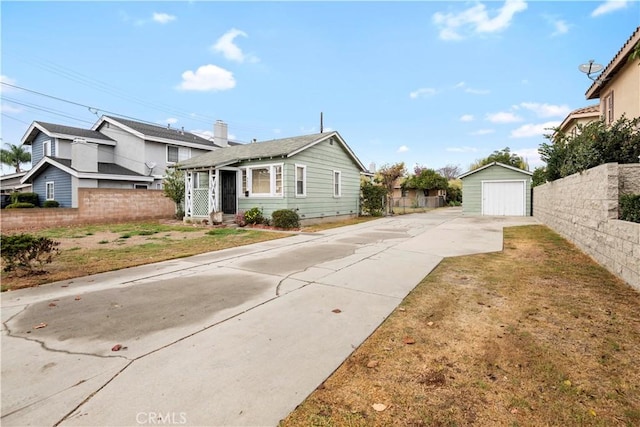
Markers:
point(140, 186)
point(608, 105)
point(46, 149)
point(264, 180)
point(177, 154)
point(337, 184)
point(50, 190)
point(301, 181)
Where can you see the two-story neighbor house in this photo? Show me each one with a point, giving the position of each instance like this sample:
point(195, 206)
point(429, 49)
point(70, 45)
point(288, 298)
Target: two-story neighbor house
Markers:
point(115, 153)
point(618, 86)
point(579, 117)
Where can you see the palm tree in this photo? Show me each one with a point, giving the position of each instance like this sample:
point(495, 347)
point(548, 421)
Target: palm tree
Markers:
point(14, 156)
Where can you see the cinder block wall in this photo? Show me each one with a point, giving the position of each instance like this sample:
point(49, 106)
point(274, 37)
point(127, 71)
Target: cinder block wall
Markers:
point(584, 209)
point(95, 205)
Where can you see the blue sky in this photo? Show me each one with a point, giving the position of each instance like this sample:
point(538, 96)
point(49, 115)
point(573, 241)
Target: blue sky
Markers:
point(429, 83)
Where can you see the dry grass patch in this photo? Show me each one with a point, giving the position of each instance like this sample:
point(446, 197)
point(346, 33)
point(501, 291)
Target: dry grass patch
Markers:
point(97, 249)
point(535, 335)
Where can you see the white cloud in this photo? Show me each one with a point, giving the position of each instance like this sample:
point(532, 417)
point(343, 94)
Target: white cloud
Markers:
point(529, 130)
point(225, 45)
point(467, 118)
point(476, 19)
point(402, 149)
point(207, 78)
point(8, 80)
point(531, 156)
point(546, 110)
point(206, 134)
point(5, 108)
point(609, 6)
point(170, 120)
point(424, 92)
point(482, 132)
point(477, 91)
point(462, 149)
point(471, 90)
point(561, 27)
point(163, 18)
point(503, 117)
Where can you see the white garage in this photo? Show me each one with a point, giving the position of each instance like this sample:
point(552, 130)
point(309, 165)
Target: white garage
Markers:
point(496, 189)
point(503, 198)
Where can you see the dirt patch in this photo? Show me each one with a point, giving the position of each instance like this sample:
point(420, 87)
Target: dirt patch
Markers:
point(535, 335)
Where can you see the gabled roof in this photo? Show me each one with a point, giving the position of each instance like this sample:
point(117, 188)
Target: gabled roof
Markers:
point(64, 132)
point(618, 61)
point(581, 113)
point(157, 133)
point(513, 168)
point(275, 148)
point(107, 171)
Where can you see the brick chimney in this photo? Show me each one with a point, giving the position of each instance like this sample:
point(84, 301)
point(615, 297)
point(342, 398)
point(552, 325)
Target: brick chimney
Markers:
point(220, 133)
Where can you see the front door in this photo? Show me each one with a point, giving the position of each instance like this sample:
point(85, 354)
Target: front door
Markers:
point(228, 181)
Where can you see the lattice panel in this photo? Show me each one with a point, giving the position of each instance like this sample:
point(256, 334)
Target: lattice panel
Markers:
point(200, 202)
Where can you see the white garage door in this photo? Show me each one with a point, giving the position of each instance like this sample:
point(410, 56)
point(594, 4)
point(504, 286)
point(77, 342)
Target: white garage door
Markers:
point(503, 198)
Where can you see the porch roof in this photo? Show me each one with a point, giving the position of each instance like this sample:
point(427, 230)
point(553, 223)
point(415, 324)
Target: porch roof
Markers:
point(285, 147)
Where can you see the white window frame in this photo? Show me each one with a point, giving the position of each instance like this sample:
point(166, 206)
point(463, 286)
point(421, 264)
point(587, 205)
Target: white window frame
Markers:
point(184, 153)
point(608, 106)
point(337, 183)
point(50, 190)
point(46, 148)
point(272, 180)
point(140, 187)
point(169, 160)
point(304, 180)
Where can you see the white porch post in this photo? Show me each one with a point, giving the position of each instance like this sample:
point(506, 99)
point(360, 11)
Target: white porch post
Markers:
point(213, 191)
point(188, 194)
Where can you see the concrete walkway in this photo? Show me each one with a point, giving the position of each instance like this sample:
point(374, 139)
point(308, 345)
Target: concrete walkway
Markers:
point(236, 337)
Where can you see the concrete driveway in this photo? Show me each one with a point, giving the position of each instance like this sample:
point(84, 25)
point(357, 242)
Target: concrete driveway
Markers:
point(235, 337)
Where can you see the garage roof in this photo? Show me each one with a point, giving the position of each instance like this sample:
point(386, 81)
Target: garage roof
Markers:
point(471, 172)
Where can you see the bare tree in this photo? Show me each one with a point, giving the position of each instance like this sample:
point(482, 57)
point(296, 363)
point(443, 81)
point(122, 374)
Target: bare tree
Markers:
point(450, 171)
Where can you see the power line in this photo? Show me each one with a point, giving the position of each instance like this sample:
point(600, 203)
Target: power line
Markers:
point(45, 109)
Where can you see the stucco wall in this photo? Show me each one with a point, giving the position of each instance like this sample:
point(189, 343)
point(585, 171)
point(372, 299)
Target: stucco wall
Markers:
point(96, 205)
point(584, 209)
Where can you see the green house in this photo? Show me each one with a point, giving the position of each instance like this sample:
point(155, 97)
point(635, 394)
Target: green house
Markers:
point(496, 189)
point(318, 176)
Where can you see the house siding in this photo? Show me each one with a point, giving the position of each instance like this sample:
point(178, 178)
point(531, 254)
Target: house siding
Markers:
point(37, 150)
point(129, 151)
point(472, 187)
point(625, 86)
point(62, 186)
point(321, 161)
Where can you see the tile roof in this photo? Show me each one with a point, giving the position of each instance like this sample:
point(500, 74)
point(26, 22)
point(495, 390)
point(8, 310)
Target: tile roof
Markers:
point(586, 110)
point(258, 150)
point(156, 131)
point(612, 68)
point(73, 131)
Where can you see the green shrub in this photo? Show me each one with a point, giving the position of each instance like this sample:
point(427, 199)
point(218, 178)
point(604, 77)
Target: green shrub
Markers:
point(372, 199)
point(27, 252)
point(285, 218)
point(50, 204)
point(20, 205)
point(630, 207)
point(254, 216)
point(25, 198)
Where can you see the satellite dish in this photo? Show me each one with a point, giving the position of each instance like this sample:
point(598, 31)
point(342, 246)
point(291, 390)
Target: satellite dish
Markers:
point(591, 68)
point(150, 165)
